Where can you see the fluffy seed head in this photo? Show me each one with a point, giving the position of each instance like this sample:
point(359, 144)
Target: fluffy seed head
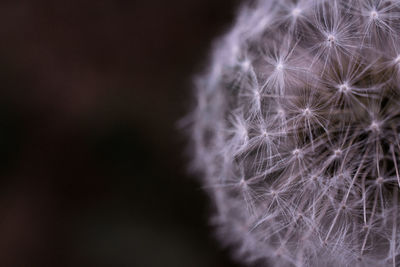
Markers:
point(296, 131)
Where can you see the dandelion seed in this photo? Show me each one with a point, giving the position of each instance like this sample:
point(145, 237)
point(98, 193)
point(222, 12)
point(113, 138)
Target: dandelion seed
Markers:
point(379, 180)
point(297, 154)
point(279, 66)
point(344, 88)
point(331, 39)
point(337, 153)
point(246, 65)
point(280, 112)
point(296, 12)
point(307, 112)
point(374, 15)
point(397, 60)
point(374, 126)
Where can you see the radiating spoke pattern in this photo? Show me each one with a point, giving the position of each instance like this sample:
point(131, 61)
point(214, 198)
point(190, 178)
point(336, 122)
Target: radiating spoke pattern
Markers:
point(296, 129)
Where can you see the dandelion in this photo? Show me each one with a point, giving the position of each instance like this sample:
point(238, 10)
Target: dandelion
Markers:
point(296, 133)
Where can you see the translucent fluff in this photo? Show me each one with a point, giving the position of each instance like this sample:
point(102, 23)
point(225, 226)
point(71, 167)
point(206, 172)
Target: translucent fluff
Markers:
point(296, 133)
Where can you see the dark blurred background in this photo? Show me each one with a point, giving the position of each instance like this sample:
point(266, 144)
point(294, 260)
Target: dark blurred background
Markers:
point(92, 166)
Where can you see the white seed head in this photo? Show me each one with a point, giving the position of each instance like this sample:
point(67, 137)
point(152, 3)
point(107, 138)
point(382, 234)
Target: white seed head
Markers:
point(295, 133)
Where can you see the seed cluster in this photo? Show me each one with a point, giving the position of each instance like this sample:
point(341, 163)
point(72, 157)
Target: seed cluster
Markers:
point(296, 132)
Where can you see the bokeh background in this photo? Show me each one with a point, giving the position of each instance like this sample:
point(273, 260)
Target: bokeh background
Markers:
point(92, 165)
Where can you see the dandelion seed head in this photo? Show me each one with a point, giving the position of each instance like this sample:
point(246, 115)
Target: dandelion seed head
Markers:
point(295, 133)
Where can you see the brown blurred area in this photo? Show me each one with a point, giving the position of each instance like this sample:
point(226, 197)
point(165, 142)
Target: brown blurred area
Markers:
point(92, 166)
